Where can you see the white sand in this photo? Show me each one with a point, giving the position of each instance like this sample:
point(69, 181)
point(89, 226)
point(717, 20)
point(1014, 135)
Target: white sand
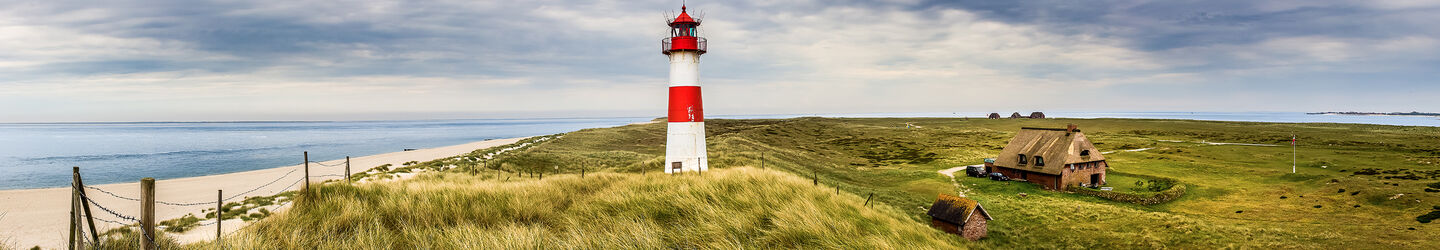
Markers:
point(40, 216)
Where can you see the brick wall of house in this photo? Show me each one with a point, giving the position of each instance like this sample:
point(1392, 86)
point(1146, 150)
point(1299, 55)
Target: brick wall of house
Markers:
point(1081, 175)
point(975, 227)
point(1045, 180)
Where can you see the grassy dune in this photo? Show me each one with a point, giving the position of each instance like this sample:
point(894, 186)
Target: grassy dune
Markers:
point(763, 194)
point(1235, 191)
point(730, 208)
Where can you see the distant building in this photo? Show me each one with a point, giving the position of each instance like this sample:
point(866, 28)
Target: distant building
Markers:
point(994, 115)
point(960, 216)
point(1053, 158)
point(1037, 115)
point(1015, 115)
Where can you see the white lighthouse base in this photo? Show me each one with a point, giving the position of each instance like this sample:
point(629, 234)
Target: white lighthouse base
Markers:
point(685, 148)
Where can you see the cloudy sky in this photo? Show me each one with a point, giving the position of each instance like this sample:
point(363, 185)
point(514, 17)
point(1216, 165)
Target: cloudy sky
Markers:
point(126, 60)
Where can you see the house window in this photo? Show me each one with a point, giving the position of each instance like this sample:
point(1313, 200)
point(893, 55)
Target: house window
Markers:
point(1039, 161)
point(1085, 152)
point(1022, 159)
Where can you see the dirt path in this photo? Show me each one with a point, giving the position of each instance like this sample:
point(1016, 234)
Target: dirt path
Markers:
point(959, 189)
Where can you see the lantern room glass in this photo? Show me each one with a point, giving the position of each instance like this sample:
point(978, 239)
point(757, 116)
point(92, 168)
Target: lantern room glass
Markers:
point(685, 29)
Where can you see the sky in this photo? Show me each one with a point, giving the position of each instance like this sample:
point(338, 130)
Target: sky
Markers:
point(199, 60)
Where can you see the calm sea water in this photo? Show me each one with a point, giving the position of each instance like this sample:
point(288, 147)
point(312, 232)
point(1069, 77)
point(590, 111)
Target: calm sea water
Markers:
point(40, 155)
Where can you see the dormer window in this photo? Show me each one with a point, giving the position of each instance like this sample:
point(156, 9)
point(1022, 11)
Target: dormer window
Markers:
point(1023, 160)
point(1039, 161)
point(1085, 152)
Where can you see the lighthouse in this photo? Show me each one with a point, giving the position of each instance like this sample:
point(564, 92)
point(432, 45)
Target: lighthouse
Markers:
point(685, 133)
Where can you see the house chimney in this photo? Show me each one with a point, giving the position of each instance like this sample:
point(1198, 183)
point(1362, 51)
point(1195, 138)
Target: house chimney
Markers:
point(1070, 129)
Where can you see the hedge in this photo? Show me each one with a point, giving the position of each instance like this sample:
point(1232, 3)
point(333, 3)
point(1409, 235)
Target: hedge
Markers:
point(1147, 199)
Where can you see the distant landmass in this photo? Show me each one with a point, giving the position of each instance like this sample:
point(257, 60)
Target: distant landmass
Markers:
point(1412, 113)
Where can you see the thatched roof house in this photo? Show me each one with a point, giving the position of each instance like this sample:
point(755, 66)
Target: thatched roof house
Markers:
point(1037, 115)
point(1054, 158)
point(1016, 115)
point(959, 215)
point(994, 116)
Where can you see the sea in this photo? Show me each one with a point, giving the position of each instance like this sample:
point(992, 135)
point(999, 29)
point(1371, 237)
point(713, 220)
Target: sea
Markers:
point(40, 155)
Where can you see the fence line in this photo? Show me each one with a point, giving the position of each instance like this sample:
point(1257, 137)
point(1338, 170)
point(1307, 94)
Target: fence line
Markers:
point(272, 182)
point(341, 164)
point(263, 186)
point(134, 221)
point(124, 220)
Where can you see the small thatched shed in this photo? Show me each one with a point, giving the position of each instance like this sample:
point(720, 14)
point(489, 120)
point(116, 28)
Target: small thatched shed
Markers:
point(959, 215)
point(1016, 115)
point(1037, 115)
point(994, 115)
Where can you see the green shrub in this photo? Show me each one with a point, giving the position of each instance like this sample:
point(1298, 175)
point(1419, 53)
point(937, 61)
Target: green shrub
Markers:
point(1167, 195)
point(1426, 218)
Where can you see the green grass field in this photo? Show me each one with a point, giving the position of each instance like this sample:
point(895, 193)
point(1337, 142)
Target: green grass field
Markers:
point(1234, 194)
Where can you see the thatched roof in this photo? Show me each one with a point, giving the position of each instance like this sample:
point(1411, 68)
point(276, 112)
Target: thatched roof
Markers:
point(955, 209)
point(1016, 115)
point(1057, 146)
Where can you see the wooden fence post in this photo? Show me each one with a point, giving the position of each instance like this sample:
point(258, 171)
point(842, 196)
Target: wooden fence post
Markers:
point(147, 213)
point(347, 169)
point(307, 172)
point(219, 229)
point(85, 205)
point(867, 199)
point(74, 214)
point(762, 159)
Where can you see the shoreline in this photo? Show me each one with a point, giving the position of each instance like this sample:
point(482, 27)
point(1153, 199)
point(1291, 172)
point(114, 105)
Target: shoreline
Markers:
point(39, 217)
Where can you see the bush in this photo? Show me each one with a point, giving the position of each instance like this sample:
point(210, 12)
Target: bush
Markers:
point(1167, 195)
point(1426, 218)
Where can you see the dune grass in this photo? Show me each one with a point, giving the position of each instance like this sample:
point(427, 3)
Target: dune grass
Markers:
point(730, 208)
point(1232, 198)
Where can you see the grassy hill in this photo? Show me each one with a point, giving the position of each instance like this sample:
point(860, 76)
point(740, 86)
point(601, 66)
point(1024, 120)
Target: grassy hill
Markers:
point(1357, 186)
point(728, 208)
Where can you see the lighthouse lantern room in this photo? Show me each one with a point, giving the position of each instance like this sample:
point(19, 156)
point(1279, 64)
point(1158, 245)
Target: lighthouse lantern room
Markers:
point(685, 132)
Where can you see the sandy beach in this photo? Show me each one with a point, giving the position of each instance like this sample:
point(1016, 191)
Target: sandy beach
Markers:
point(39, 217)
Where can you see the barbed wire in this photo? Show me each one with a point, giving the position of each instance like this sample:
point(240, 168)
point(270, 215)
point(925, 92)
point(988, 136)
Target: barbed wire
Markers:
point(262, 186)
point(107, 210)
point(110, 221)
point(292, 171)
point(328, 165)
point(112, 194)
point(328, 175)
point(291, 185)
point(122, 218)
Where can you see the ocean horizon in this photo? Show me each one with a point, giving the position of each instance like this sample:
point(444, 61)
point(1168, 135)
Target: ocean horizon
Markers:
point(40, 155)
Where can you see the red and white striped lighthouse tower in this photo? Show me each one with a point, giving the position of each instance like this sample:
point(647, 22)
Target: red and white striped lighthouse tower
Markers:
point(685, 135)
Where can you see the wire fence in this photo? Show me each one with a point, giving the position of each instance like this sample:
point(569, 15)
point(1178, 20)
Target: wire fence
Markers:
point(339, 164)
point(124, 220)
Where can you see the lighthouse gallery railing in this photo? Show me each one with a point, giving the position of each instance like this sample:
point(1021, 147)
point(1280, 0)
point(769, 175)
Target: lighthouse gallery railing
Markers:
point(699, 44)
